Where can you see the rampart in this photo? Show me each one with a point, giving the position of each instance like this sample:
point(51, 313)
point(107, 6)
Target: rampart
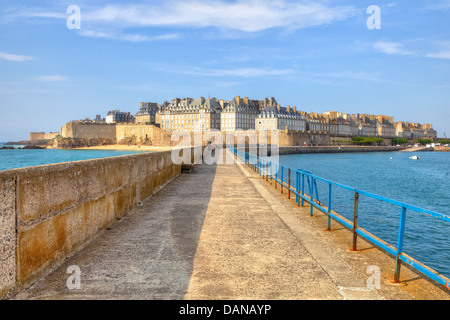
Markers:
point(36, 136)
point(329, 149)
point(144, 133)
point(89, 131)
point(49, 212)
point(51, 135)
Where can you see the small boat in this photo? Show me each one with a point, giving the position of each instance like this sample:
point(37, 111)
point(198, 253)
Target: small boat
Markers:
point(414, 158)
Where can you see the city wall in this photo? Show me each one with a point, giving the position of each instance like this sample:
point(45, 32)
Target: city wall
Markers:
point(143, 134)
point(285, 137)
point(153, 135)
point(89, 131)
point(51, 135)
point(49, 212)
point(40, 136)
point(36, 136)
point(345, 149)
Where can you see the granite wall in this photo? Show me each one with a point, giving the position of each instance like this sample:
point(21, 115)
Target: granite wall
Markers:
point(48, 212)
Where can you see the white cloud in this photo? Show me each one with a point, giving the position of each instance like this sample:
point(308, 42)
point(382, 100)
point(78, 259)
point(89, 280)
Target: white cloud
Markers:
point(14, 57)
point(363, 76)
point(211, 72)
point(439, 55)
point(392, 48)
point(127, 37)
point(240, 15)
point(438, 5)
point(52, 78)
point(443, 53)
point(242, 72)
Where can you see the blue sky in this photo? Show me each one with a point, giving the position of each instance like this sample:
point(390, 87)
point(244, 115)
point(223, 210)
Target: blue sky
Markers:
point(316, 55)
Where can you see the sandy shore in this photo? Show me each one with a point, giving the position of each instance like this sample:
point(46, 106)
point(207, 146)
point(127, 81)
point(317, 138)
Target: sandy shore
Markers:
point(126, 148)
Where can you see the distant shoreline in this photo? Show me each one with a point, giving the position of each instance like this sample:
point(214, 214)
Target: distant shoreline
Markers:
point(125, 148)
point(285, 149)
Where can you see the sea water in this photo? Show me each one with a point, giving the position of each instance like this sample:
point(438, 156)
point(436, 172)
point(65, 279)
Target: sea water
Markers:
point(11, 159)
point(424, 183)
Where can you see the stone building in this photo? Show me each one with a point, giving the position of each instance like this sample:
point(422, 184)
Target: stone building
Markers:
point(317, 122)
point(239, 114)
point(414, 130)
point(98, 119)
point(147, 113)
point(191, 115)
point(263, 104)
point(117, 116)
point(280, 118)
point(385, 128)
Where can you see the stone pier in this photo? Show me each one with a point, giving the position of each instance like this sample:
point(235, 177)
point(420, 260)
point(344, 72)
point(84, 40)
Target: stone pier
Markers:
point(223, 232)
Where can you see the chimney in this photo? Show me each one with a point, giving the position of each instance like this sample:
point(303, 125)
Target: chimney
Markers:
point(288, 108)
point(237, 99)
point(294, 109)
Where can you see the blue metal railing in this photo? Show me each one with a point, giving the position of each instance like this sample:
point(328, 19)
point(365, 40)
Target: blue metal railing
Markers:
point(305, 189)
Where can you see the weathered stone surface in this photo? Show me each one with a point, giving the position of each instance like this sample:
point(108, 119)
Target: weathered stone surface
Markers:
point(58, 208)
point(7, 232)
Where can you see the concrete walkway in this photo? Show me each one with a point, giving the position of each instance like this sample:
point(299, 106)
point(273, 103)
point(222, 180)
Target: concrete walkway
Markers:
point(221, 232)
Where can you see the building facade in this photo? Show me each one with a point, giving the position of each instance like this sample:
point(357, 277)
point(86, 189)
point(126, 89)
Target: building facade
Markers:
point(239, 114)
point(191, 115)
point(279, 118)
point(147, 113)
point(116, 116)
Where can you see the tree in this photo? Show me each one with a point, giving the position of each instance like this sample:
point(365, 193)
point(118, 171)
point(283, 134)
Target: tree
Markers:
point(366, 141)
point(400, 141)
point(424, 141)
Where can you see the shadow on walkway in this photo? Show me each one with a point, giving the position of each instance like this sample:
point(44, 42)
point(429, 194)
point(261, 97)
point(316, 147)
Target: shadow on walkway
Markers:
point(148, 254)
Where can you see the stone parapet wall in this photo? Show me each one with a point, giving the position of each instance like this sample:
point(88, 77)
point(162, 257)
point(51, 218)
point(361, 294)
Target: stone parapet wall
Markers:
point(48, 212)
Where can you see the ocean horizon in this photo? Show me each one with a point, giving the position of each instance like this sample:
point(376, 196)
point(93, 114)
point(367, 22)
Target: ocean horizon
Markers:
point(16, 158)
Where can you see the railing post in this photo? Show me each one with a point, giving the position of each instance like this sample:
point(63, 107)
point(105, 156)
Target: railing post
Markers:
point(271, 172)
point(282, 178)
point(355, 221)
point(289, 183)
point(303, 189)
point(276, 175)
point(311, 198)
point(401, 236)
point(329, 208)
point(267, 170)
point(262, 169)
point(297, 188)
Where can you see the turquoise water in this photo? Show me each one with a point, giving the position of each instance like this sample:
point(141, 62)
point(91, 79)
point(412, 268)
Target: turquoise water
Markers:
point(11, 159)
point(424, 183)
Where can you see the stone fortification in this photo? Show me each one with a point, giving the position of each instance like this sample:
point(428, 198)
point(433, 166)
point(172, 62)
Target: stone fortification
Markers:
point(48, 212)
point(88, 131)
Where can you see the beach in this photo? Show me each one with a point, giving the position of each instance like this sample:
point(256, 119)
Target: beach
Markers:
point(127, 148)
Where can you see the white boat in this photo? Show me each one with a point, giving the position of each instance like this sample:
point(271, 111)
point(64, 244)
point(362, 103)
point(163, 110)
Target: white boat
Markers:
point(414, 158)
